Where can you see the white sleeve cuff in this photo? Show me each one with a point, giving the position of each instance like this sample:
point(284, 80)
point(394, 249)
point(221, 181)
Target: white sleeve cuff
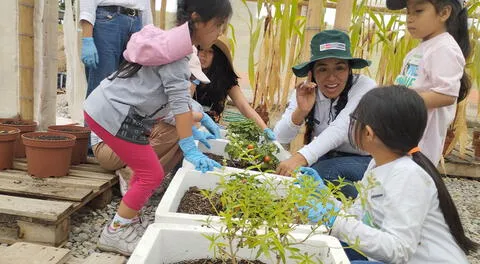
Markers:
point(308, 155)
point(88, 17)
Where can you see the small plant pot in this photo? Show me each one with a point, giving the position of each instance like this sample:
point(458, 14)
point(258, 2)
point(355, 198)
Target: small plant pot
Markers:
point(79, 153)
point(24, 127)
point(8, 137)
point(476, 136)
point(48, 153)
point(448, 140)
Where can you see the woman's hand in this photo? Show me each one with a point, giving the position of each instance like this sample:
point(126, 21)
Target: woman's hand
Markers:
point(286, 167)
point(306, 93)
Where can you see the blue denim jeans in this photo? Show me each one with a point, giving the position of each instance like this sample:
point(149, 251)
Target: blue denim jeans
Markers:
point(348, 166)
point(355, 257)
point(111, 32)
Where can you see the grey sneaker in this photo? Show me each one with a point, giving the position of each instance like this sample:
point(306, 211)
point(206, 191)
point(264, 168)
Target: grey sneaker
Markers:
point(122, 241)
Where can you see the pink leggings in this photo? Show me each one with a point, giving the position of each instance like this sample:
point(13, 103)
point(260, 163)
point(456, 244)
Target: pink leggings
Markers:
point(142, 159)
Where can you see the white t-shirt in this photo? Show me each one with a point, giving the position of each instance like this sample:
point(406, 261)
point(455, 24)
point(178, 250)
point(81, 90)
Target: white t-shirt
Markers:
point(436, 65)
point(330, 131)
point(401, 222)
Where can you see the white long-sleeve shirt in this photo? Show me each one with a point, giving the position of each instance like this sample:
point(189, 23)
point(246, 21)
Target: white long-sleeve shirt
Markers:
point(403, 222)
point(333, 136)
point(88, 8)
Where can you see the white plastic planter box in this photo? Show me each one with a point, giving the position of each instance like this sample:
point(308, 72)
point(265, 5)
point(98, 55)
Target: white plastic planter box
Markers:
point(170, 243)
point(185, 178)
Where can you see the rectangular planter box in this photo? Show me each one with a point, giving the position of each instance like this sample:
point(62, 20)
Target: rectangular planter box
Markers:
point(185, 178)
point(170, 243)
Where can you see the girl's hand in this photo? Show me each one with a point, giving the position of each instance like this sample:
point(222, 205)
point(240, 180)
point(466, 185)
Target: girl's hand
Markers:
point(286, 167)
point(306, 93)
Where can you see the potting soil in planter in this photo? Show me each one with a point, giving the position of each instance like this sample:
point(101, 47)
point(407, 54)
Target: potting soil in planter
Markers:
point(234, 164)
point(218, 261)
point(194, 202)
point(51, 137)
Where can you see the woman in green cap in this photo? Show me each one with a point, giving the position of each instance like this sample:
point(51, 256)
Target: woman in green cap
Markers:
point(324, 102)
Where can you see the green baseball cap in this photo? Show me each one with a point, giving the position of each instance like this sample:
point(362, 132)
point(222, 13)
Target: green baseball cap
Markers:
point(329, 44)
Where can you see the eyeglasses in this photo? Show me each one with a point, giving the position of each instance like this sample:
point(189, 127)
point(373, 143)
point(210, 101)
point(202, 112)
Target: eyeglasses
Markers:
point(352, 131)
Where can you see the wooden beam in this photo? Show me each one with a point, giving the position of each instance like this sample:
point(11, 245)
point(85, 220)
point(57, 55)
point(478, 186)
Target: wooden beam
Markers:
point(26, 57)
point(343, 15)
point(163, 14)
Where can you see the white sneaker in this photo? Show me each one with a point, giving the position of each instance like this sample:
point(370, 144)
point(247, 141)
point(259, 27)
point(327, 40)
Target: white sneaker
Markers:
point(124, 175)
point(122, 241)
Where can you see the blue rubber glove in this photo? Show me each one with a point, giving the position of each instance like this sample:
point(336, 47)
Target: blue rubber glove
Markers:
point(209, 124)
point(310, 172)
point(317, 212)
point(89, 53)
point(201, 136)
point(198, 159)
point(269, 133)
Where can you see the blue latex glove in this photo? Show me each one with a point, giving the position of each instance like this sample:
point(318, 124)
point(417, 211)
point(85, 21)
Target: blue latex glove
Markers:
point(269, 133)
point(310, 172)
point(317, 212)
point(198, 159)
point(89, 53)
point(201, 136)
point(209, 124)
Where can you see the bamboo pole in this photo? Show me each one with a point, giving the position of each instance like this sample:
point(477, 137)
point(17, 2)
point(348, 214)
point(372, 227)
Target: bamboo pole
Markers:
point(343, 15)
point(154, 13)
point(163, 14)
point(26, 58)
point(314, 22)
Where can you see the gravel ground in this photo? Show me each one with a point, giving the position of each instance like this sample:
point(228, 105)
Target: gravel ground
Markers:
point(87, 224)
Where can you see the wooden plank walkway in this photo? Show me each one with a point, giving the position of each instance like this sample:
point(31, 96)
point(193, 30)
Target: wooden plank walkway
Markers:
point(39, 209)
point(28, 253)
point(462, 165)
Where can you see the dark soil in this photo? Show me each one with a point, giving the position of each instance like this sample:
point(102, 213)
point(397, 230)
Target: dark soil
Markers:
point(68, 130)
point(51, 138)
point(218, 261)
point(230, 163)
point(194, 202)
point(15, 122)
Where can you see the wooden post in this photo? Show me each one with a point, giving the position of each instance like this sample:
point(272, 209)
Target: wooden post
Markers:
point(163, 14)
point(343, 15)
point(26, 57)
point(314, 25)
point(45, 53)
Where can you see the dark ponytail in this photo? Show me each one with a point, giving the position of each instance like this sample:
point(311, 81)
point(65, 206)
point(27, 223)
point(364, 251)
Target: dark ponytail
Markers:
point(341, 103)
point(447, 206)
point(457, 26)
point(206, 9)
point(398, 116)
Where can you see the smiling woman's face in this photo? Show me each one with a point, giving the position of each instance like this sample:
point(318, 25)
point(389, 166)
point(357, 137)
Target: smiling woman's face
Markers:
point(331, 76)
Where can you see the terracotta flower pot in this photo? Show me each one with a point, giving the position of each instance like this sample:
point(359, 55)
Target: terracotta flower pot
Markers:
point(79, 154)
point(8, 137)
point(476, 136)
point(448, 140)
point(48, 153)
point(25, 127)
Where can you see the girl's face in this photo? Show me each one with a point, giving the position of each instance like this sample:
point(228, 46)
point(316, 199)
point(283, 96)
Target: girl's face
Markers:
point(423, 20)
point(206, 57)
point(331, 76)
point(206, 33)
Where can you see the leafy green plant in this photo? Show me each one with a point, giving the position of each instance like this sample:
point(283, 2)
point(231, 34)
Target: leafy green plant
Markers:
point(248, 148)
point(260, 213)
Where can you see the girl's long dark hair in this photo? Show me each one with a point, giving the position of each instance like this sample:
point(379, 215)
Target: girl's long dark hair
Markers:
point(457, 26)
point(222, 77)
point(398, 116)
point(342, 102)
point(206, 9)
